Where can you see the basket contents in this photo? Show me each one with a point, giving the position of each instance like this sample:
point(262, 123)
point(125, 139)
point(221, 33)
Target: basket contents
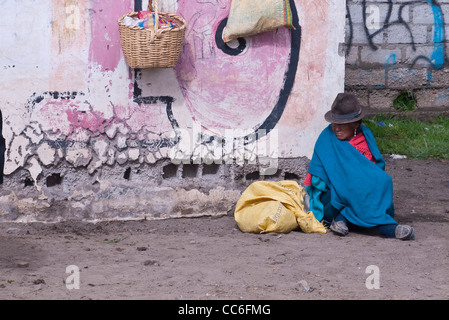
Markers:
point(147, 19)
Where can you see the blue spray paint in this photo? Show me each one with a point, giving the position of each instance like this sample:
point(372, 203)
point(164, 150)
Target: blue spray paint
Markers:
point(429, 78)
point(437, 57)
point(390, 63)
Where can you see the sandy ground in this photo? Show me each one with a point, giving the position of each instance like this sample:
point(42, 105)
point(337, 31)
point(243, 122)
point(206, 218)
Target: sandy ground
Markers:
point(211, 259)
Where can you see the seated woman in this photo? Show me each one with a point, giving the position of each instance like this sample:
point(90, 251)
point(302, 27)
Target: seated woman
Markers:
point(347, 182)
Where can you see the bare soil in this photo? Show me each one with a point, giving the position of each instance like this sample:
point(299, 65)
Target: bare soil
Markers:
point(211, 259)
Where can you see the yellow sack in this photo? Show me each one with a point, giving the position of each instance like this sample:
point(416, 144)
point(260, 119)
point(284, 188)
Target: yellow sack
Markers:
point(267, 206)
point(249, 17)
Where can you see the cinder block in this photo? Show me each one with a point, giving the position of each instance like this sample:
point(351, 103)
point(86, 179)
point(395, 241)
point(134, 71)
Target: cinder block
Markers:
point(362, 96)
point(355, 10)
point(394, 15)
point(420, 56)
point(399, 34)
point(367, 78)
point(380, 56)
point(423, 14)
point(432, 98)
point(352, 57)
point(359, 36)
point(398, 78)
point(444, 9)
point(382, 99)
point(438, 78)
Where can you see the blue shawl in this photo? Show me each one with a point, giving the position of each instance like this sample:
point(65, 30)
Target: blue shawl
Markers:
point(361, 190)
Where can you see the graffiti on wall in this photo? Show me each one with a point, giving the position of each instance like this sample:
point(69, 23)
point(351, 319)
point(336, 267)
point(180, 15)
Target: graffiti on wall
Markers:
point(375, 27)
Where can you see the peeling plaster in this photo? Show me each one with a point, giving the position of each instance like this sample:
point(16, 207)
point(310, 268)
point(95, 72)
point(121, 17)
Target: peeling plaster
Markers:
point(46, 154)
point(79, 157)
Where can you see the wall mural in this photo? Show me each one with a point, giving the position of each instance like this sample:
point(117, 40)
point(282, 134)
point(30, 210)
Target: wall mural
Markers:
point(216, 78)
point(90, 109)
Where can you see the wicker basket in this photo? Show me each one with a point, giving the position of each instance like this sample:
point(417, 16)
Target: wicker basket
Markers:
point(152, 47)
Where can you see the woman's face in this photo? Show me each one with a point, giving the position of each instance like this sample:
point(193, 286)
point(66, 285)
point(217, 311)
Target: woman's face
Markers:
point(345, 131)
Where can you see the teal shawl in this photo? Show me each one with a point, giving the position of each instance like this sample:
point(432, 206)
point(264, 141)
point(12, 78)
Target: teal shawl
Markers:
point(360, 190)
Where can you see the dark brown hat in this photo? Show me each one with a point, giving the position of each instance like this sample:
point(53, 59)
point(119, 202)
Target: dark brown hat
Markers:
point(345, 109)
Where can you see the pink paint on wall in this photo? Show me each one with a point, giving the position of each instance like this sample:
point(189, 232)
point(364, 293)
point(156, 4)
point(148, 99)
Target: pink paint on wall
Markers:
point(229, 91)
point(92, 121)
point(105, 49)
point(64, 117)
point(78, 121)
point(52, 117)
point(149, 119)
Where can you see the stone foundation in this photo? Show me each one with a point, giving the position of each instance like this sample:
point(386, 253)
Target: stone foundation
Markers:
point(137, 191)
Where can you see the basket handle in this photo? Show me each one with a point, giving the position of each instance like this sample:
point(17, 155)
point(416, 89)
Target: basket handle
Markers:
point(156, 12)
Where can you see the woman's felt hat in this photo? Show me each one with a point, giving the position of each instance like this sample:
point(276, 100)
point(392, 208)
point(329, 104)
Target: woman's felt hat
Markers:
point(345, 109)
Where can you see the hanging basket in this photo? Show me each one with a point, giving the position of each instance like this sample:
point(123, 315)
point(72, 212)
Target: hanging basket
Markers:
point(152, 47)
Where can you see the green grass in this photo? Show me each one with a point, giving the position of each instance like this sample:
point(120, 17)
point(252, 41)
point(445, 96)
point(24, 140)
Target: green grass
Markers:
point(405, 101)
point(410, 137)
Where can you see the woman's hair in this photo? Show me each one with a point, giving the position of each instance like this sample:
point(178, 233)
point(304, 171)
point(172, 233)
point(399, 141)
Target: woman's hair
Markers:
point(359, 128)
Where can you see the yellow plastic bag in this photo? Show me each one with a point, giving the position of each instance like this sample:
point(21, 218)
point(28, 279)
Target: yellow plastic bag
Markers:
point(249, 17)
point(269, 206)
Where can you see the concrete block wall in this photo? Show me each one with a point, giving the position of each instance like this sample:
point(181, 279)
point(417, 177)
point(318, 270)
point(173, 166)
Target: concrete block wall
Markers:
point(393, 45)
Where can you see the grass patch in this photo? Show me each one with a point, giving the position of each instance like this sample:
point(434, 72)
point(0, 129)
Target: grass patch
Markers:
point(410, 137)
point(405, 101)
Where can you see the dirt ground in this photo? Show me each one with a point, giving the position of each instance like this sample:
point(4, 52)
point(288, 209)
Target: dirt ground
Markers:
point(211, 259)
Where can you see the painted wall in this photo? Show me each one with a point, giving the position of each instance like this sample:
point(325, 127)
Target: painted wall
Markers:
point(89, 138)
point(393, 45)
